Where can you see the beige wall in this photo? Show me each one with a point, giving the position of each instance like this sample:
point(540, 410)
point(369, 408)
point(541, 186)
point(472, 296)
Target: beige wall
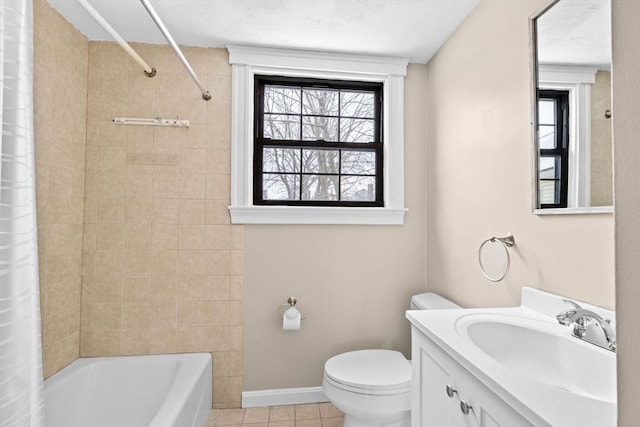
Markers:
point(60, 88)
point(601, 148)
point(626, 131)
point(353, 283)
point(480, 163)
point(162, 266)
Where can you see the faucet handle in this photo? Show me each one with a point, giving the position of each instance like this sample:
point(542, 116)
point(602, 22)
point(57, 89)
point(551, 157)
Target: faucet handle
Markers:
point(567, 316)
point(573, 303)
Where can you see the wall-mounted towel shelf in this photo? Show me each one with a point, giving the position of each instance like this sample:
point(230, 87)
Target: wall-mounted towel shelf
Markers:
point(157, 121)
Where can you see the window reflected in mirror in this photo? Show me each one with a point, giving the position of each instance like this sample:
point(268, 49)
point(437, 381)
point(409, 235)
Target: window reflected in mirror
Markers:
point(553, 148)
point(572, 108)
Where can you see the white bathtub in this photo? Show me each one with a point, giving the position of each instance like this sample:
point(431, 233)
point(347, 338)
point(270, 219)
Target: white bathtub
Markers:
point(134, 391)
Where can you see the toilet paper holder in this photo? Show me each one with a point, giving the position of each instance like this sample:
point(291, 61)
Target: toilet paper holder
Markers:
point(291, 302)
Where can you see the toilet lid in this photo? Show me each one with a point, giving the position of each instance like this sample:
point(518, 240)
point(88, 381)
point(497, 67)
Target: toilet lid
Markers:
point(370, 370)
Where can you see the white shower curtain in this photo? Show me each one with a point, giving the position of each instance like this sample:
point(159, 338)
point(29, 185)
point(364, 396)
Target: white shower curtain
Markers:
point(21, 401)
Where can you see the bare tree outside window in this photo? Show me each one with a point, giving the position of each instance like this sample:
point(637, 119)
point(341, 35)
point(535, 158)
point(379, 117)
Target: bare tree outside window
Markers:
point(321, 143)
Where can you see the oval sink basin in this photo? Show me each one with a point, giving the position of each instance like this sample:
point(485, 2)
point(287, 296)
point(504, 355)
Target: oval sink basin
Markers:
point(543, 352)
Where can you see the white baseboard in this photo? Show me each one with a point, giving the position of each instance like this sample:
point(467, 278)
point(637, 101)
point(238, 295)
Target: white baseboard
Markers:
point(283, 396)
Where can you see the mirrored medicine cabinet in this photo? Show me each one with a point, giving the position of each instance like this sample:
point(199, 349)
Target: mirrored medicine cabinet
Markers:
point(572, 142)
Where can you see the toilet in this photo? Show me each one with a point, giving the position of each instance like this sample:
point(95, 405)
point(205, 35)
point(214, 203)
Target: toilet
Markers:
point(373, 387)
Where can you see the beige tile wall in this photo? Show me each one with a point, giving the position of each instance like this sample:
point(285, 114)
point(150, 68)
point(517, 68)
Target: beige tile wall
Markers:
point(60, 88)
point(162, 265)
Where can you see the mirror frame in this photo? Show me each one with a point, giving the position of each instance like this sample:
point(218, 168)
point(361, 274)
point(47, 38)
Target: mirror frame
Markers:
point(533, 51)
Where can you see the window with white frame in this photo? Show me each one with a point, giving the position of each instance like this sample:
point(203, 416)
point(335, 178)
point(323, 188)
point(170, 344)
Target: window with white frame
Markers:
point(317, 138)
point(576, 82)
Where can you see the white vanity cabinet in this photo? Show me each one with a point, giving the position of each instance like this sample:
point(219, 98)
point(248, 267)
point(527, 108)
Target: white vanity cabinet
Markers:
point(445, 394)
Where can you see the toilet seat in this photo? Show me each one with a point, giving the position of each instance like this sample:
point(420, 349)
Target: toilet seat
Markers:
point(365, 391)
point(374, 372)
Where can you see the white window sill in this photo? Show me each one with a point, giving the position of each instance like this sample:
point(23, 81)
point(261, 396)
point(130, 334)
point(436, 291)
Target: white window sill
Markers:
point(315, 215)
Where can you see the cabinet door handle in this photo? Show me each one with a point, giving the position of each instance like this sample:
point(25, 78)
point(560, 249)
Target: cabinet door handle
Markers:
point(451, 391)
point(465, 407)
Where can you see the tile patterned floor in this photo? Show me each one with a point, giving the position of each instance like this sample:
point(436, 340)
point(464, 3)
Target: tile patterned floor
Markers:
point(309, 415)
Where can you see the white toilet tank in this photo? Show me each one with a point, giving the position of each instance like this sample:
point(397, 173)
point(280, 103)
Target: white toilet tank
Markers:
point(430, 301)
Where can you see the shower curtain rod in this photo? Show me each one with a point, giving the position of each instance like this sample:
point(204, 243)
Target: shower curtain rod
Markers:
point(148, 71)
point(205, 94)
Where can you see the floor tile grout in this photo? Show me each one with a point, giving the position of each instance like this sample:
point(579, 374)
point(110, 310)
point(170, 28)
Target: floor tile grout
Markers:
point(303, 415)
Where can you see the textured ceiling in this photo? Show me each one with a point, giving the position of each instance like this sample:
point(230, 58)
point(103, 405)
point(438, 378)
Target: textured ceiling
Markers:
point(413, 29)
point(571, 32)
point(576, 32)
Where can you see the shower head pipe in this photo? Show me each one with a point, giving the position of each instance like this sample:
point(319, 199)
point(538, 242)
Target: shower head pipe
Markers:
point(165, 32)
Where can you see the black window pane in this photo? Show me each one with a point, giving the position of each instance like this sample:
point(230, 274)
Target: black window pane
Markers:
point(316, 128)
point(281, 160)
point(357, 130)
point(357, 104)
point(547, 137)
point(280, 187)
point(549, 167)
point(319, 187)
point(278, 99)
point(358, 162)
point(320, 161)
point(548, 192)
point(553, 136)
point(309, 117)
point(547, 112)
point(278, 126)
point(358, 188)
point(320, 102)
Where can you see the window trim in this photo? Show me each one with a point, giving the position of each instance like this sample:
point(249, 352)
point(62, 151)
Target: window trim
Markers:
point(246, 63)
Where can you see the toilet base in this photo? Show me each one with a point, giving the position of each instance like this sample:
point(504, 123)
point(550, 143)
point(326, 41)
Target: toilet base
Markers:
point(350, 421)
point(370, 404)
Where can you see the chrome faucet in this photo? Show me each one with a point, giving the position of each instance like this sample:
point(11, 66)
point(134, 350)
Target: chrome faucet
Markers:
point(588, 326)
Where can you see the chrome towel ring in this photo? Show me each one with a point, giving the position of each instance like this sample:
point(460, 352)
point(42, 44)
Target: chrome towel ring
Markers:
point(486, 258)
